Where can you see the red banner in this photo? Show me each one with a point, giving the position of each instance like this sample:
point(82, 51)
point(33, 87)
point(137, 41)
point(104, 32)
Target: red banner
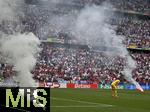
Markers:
point(92, 86)
point(70, 85)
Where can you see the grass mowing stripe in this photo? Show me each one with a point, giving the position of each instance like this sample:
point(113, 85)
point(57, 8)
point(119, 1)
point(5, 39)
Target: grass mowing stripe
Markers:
point(106, 105)
point(128, 101)
point(77, 106)
point(22, 110)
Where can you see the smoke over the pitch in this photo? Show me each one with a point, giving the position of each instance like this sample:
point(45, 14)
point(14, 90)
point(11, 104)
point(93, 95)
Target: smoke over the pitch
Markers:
point(11, 9)
point(18, 50)
point(87, 25)
point(90, 26)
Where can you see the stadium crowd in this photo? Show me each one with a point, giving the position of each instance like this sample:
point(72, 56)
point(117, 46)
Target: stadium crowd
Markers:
point(137, 32)
point(131, 5)
point(127, 5)
point(82, 66)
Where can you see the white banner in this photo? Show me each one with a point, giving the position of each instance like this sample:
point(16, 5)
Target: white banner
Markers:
point(54, 85)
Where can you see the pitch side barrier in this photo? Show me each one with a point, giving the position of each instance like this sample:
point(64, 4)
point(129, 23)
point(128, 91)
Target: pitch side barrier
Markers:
point(90, 86)
point(125, 86)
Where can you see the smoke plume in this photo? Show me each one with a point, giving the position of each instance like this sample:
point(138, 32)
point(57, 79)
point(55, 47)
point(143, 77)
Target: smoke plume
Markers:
point(90, 26)
point(11, 10)
point(18, 50)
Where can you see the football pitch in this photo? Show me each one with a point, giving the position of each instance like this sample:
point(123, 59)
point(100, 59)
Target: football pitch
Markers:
point(90, 100)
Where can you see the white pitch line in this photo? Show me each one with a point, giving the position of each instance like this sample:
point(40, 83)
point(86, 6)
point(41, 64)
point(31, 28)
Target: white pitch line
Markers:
point(22, 110)
point(99, 104)
point(75, 106)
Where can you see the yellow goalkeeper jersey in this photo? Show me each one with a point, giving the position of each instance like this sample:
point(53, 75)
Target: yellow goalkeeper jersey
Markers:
point(114, 83)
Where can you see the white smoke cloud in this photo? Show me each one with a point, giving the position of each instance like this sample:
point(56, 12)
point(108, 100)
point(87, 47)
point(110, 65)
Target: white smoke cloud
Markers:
point(20, 50)
point(89, 26)
point(10, 9)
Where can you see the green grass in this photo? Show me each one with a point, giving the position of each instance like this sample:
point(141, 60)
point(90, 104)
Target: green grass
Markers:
point(88, 100)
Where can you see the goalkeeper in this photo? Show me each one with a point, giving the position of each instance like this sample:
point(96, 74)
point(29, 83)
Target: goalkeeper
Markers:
point(114, 88)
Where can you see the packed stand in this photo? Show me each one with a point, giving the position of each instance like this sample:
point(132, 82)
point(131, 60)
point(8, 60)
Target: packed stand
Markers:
point(82, 66)
point(136, 31)
point(131, 5)
point(123, 5)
